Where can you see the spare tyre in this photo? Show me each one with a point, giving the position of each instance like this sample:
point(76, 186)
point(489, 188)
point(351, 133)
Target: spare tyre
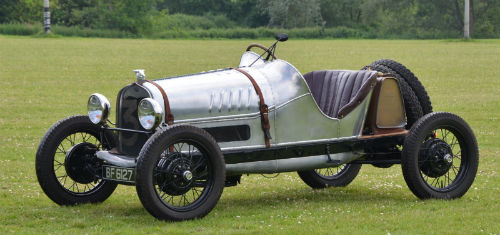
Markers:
point(412, 81)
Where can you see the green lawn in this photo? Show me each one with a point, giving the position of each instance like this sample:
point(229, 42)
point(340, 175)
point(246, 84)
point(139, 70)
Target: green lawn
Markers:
point(44, 80)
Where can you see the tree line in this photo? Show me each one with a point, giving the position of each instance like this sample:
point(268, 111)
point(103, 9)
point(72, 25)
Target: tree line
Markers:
point(399, 18)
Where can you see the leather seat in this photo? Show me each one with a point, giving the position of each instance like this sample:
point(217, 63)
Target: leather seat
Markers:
point(338, 92)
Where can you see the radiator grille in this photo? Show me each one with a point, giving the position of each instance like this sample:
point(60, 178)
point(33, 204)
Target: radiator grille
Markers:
point(126, 117)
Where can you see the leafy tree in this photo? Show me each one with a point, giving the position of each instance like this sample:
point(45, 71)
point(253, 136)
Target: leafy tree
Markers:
point(247, 13)
point(21, 11)
point(406, 18)
point(292, 13)
point(125, 15)
point(74, 12)
point(342, 12)
point(195, 7)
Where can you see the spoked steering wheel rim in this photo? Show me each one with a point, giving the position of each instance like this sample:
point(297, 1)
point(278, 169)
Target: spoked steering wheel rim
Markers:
point(261, 47)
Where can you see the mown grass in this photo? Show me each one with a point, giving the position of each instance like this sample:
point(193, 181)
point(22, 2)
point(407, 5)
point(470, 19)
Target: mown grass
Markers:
point(45, 79)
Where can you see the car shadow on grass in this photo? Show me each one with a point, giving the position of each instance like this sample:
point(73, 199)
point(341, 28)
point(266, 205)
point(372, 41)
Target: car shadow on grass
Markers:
point(235, 200)
point(297, 199)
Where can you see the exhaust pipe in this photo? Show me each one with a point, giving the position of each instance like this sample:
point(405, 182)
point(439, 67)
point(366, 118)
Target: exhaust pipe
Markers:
point(291, 164)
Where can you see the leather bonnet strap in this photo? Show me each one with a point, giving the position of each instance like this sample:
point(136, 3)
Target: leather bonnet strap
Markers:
point(264, 110)
point(169, 118)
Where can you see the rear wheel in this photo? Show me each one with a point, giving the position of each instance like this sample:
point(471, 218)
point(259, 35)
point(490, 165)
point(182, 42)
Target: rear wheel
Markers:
point(440, 157)
point(339, 176)
point(66, 165)
point(180, 173)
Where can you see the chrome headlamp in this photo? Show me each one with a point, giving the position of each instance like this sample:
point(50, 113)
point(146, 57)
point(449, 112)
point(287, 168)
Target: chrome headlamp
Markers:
point(150, 113)
point(98, 108)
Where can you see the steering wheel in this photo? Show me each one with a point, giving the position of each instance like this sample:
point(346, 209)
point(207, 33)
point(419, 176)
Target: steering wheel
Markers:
point(261, 47)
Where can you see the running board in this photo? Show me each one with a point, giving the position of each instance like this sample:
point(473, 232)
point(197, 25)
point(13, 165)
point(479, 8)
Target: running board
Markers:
point(117, 160)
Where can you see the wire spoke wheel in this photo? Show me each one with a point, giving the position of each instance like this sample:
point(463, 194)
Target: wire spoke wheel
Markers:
point(180, 173)
point(338, 176)
point(66, 165)
point(75, 175)
point(331, 171)
point(440, 157)
point(441, 169)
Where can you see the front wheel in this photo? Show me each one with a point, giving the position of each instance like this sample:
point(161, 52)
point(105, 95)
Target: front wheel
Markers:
point(180, 173)
point(339, 176)
point(440, 157)
point(66, 165)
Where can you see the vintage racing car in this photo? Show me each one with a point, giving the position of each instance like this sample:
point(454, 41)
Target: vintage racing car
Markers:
point(181, 140)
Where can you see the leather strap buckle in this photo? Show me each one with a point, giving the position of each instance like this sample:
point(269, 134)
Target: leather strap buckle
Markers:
point(263, 108)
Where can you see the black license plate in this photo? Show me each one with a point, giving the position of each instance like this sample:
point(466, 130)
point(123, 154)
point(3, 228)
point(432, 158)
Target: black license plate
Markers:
point(121, 174)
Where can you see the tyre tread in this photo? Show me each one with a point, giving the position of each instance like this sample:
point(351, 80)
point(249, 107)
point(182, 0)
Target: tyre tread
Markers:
point(412, 80)
point(413, 108)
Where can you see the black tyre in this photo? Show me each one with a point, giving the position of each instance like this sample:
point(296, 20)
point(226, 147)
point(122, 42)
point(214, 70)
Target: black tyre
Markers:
point(339, 176)
point(66, 165)
point(180, 173)
point(413, 107)
point(412, 81)
point(440, 157)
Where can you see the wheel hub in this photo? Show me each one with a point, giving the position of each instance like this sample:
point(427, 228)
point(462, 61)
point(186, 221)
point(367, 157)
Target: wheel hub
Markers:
point(175, 177)
point(436, 158)
point(77, 162)
point(448, 158)
point(187, 175)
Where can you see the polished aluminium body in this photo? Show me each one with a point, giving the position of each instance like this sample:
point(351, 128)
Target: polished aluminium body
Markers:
point(227, 98)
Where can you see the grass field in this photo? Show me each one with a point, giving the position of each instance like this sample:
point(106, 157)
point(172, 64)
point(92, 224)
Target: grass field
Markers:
point(44, 80)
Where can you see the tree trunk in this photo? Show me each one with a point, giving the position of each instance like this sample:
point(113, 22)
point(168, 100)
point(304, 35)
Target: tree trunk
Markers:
point(46, 16)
